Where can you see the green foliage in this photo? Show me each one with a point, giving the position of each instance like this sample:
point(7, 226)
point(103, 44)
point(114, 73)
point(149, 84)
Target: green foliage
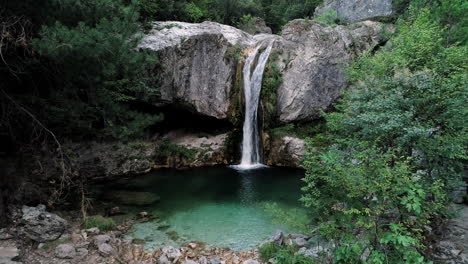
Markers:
point(234, 53)
point(282, 255)
point(138, 145)
point(193, 12)
point(272, 80)
point(248, 24)
point(103, 223)
point(92, 47)
point(55, 243)
point(296, 218)
point(242, 13)
point(168, 149)
point(329, 17)
point(268, 250)
point(395, 147)
point(286, 255)
point(300, 130)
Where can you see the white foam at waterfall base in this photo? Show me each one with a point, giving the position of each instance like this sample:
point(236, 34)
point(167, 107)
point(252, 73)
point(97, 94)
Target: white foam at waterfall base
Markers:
point(251, 153)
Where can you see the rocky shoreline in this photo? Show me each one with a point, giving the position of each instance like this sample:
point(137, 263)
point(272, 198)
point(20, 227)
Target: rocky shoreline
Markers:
point(38, 236)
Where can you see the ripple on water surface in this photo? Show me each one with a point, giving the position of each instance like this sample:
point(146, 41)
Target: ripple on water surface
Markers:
point(221, 206)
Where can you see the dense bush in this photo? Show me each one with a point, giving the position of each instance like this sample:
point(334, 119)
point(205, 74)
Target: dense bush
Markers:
point(395, 146)
point(282, 254)
point(103, 223)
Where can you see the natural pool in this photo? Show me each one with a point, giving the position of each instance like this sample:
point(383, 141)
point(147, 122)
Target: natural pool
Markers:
point(221, 206)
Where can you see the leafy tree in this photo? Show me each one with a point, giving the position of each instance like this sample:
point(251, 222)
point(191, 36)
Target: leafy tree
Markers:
point(98, 68)
point(396, 146)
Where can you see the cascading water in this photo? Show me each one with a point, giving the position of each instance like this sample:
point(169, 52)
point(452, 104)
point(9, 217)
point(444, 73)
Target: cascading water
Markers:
point(251, 154)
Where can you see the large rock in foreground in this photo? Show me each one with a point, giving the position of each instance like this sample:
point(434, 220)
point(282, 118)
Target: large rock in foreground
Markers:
point(40, 225)
point(313, 61)
point(356, 10)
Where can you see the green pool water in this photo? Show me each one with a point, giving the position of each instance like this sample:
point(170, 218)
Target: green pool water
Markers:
point(221, 206)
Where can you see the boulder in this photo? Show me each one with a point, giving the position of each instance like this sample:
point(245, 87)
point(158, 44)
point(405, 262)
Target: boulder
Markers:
point(65, 251)
point(285, 151)
point(356, 10)
point(101, 239)
point(40, 225)
point(313, 58)
point(105, 249)
point(172, 253)
point(277, 238)
point(198, 71)
point(8, 253)
point(131, 198)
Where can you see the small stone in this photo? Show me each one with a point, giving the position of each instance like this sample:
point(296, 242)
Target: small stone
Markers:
point(142, 214)
point(188, 261)
point(93, 230)
point(41, 245)
point(82, 252)
point(105, 249)
point(300, 241)
point(455, 252)
point(215, 261)
point(171, 253)
point(278, 238)
point(203, 260)
point(4, 234)
point(65, 251)
point(101, 239)
point(9, 252)
point(192, 245)
point(251, 261)
point(114, 211)
point(163, 260)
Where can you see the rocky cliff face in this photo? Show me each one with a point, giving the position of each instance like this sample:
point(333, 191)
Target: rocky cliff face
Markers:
point(198, 68)
point(177, 149)
point(285, 151)
point(313, 59)
point(199, 65)
point(357, 10)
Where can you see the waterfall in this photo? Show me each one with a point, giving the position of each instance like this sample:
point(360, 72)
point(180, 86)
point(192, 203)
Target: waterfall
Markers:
point(251, 153)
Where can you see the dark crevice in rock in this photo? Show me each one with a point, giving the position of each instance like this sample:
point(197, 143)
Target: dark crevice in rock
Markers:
point(181, 118)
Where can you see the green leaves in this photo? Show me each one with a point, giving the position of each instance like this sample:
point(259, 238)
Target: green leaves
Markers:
point(396, 146)
point(98, 64)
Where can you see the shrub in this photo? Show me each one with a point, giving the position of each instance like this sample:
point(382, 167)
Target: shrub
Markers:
point(167, 149)
point(329, 17)
point(286, 255)
point(103, 223)
point(268, 250)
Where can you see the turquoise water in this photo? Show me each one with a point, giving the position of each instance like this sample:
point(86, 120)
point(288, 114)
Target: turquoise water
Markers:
point(221, 206)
